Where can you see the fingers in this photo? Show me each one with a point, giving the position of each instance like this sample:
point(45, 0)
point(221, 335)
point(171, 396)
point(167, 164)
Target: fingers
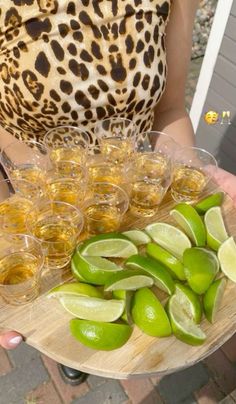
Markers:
point(227, 182)
point(10, 339)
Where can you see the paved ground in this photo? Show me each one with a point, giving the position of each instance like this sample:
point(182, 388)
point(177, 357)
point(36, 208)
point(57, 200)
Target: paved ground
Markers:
point(26, 377)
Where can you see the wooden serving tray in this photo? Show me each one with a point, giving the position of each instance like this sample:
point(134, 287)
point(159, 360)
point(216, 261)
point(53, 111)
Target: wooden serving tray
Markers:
point(45, 325)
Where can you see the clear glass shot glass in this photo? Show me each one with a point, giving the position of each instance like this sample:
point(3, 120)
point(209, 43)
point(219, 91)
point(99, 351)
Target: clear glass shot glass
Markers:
point(16, 200)
point(21, 264)
point(105, 208)
point(101, 169)
point(57, 226)
point(193, 168)
point(26, 160)
point(116, 137)
point(150, 173)
point(67, 189)
point(67, 145)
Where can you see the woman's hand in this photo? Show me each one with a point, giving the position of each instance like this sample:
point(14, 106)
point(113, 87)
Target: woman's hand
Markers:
point(227, 182)
point(10, 339)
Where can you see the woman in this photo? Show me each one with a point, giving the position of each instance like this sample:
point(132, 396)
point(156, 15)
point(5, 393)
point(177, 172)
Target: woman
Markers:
point(76, 62)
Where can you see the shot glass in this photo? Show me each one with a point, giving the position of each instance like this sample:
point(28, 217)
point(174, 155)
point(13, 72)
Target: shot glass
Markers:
point(16, 200)
point(26, 160)
point(105, 208)
point(116, 137)
point(21, 263)
point(193, 168)
point(101, 169)
point(67, 145)
point(151, 171)
point(57, 226)
point(69, 189)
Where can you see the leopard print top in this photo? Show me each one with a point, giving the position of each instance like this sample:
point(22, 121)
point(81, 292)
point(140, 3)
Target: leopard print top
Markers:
point(73, 62)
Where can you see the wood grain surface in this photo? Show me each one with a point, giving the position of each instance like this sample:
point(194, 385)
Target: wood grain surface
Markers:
point(45, 325)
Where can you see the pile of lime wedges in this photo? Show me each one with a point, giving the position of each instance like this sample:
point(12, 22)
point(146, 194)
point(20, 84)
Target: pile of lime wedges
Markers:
point(161, 279)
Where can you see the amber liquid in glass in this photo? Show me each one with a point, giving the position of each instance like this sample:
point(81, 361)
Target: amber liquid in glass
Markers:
point(65, 190)
point(145, 197)
point(58, 239)
point(117, 150)
point(102, 218)
point(13, 213)
point(19, 269)
point(188, 184)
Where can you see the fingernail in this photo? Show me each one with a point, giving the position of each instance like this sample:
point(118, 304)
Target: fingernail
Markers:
point(15, 340)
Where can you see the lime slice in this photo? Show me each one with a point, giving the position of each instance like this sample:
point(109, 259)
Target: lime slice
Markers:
point(201, 267)
point(190, 221)
point(227, 258)
point(169, 260)
point(128, 280)
point(158, 272)
point(93, 308)
point(190, 302)
point(169, 237)
point(100, 335)
point(212, 299)
point(109, 245)
point(138, 237)
point(209, 202)
point(76, 289)
point(184, 327)
point(96, 270)
point(149, 315)
point(216, 232)
point(126, 296)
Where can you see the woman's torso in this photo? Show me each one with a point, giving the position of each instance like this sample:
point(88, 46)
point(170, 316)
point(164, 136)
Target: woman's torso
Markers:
point(75, 62)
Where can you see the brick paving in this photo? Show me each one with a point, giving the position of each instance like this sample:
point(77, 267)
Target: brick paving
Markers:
point(27, 377)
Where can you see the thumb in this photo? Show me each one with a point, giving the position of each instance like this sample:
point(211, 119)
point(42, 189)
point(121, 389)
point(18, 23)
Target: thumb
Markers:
point(10, 339)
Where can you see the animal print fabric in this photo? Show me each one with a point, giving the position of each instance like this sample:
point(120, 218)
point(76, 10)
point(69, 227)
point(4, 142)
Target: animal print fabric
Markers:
point(66, 62)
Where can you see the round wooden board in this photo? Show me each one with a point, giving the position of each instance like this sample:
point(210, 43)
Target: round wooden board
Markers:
point(45, 326)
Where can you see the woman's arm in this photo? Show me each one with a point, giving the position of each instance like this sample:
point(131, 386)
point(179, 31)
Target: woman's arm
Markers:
point(170, 114)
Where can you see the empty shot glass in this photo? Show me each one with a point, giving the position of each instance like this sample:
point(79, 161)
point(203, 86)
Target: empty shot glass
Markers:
point(57, 226)
point(105, 208)
point(193, 168)
point(21, 264)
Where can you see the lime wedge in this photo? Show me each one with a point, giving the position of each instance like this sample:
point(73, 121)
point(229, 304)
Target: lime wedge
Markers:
point(128, 280)
point(174, 265)
point(126, 296)
point(93, 308)
point(108, 245)
point(100, 335)
point(212, 299)
point(76, 289)
point(190, 302)
point(158, 272)
point(184, 327)
point(209, 202)
point(95, 270)
point(149, 315)
point(227, 258)
point(190, 221)
point(169, 237)
point(138, 237)
point(201, 267)
point(216, 232)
